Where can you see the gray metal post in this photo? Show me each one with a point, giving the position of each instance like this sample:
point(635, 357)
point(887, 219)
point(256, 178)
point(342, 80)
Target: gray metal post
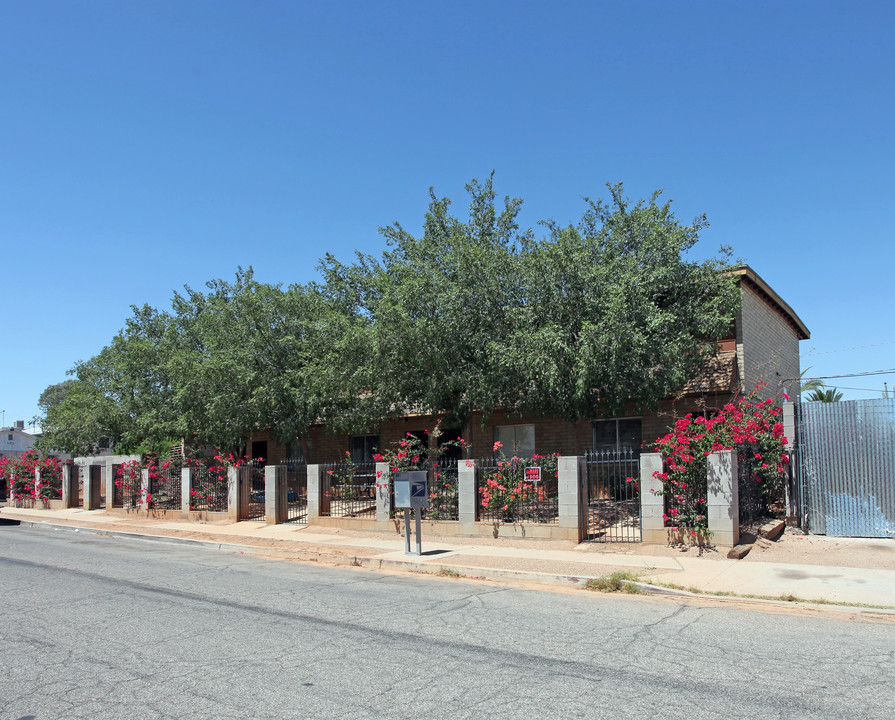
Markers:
point(467, 496)
point(313, 492)
point(723, 498)
point(419, 540)
point(186, 484)
point(383, 492)
point(406, 531)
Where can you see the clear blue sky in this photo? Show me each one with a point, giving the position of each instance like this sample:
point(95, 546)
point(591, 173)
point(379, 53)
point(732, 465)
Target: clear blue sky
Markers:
point(144, 146)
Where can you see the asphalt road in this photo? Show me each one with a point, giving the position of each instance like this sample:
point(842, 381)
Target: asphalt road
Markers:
point(101, 627)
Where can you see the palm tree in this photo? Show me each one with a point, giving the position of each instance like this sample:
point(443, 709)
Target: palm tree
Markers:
point(828, 395)
point(810, 384)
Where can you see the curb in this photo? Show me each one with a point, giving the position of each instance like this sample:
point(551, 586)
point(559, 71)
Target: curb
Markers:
point(425, 568)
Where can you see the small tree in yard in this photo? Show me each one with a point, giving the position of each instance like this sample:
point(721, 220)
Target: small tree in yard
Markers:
point(751, 426)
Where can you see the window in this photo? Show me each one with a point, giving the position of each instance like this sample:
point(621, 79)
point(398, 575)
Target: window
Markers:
point(516, 439)
point(617, 435)
point(363, 447)
point(453, 452)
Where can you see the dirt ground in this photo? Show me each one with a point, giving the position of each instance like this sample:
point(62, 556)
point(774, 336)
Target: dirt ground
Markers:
point(791, 547)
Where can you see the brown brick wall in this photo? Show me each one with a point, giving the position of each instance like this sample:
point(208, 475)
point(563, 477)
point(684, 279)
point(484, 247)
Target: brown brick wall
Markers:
point(767, 346)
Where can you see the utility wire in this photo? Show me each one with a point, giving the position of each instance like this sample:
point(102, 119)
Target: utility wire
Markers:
point(890, 371)
point(856, 347)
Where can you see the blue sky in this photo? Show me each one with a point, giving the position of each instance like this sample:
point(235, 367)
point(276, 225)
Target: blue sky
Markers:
point(144, 146)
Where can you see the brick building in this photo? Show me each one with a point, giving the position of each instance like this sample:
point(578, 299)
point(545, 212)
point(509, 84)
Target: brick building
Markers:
point(763, 346)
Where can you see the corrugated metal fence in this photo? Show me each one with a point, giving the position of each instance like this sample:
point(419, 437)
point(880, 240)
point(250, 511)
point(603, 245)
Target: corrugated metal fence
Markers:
point(845, 464)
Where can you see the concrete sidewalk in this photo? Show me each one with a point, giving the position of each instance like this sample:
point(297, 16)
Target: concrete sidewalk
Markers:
point(511, 560)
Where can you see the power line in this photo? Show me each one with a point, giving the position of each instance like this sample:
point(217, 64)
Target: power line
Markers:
point(890, 371)
point(856, 347)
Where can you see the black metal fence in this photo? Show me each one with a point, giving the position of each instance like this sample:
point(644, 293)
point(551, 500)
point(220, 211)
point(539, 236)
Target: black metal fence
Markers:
point(295, 473)
point(613, 496)
point(251, 483)
point(208, 487)
point(753, 503)
point(165, 486)
point(348, 490)
point(517, 490)
point(128, 482)
point(444, 491)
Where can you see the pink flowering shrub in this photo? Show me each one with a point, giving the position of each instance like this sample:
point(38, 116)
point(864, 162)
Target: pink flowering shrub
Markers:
point(414, 453)
point(508, 494)
point(20, 477)
point(751, 426)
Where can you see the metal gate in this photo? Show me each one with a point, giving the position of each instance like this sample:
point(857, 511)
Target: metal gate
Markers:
point(845, 465)
point(251, 485)
point(296, 474)
point(613, 496)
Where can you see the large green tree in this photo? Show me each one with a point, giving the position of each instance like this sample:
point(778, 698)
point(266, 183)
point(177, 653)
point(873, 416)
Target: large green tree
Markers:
point(596, 318)
point(614, 316)
point(436, 305)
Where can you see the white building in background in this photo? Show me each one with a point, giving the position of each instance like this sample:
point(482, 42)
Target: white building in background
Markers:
point(16, 440)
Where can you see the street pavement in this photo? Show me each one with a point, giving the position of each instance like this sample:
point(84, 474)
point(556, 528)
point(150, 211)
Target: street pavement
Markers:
point(102, 628)
point(513, 561)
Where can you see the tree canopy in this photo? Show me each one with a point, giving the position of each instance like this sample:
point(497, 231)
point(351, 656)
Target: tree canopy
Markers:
point(588, 319)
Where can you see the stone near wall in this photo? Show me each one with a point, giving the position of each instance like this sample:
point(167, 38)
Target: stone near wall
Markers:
point(772, 530)
point(738, 552)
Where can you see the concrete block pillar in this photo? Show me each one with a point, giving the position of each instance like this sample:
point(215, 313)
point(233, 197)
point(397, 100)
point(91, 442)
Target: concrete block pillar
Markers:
point(723, 498)
point(92, 486)
point(276, 501)
point(313, 492)
point(789, 432)
point(234, 496)
point(186, 484)
point(145, 490)
point(69, 485)
point(789, 425)
point(109, 477)
point(36, 482)
point(383, 492)
point(569, 477)
point(652, 502)
point(467, 496)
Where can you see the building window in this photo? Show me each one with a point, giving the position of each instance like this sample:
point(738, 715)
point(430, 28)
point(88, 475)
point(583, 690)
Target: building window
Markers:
point(618, 435)
point(363, 447)
point(516, 439)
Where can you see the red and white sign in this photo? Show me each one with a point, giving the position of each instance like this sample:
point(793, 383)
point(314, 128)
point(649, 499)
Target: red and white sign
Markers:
point(533, 474)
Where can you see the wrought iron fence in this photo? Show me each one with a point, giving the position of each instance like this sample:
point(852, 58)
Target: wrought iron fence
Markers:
point(51, 485)
point(208, 487)
point(251, 482)
point(613, 496)
point(753, 503)
point(165, 486)
point(348, 489)
point(128, 485)
point(444, 491)
point(296, 477)
point(518, 490)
